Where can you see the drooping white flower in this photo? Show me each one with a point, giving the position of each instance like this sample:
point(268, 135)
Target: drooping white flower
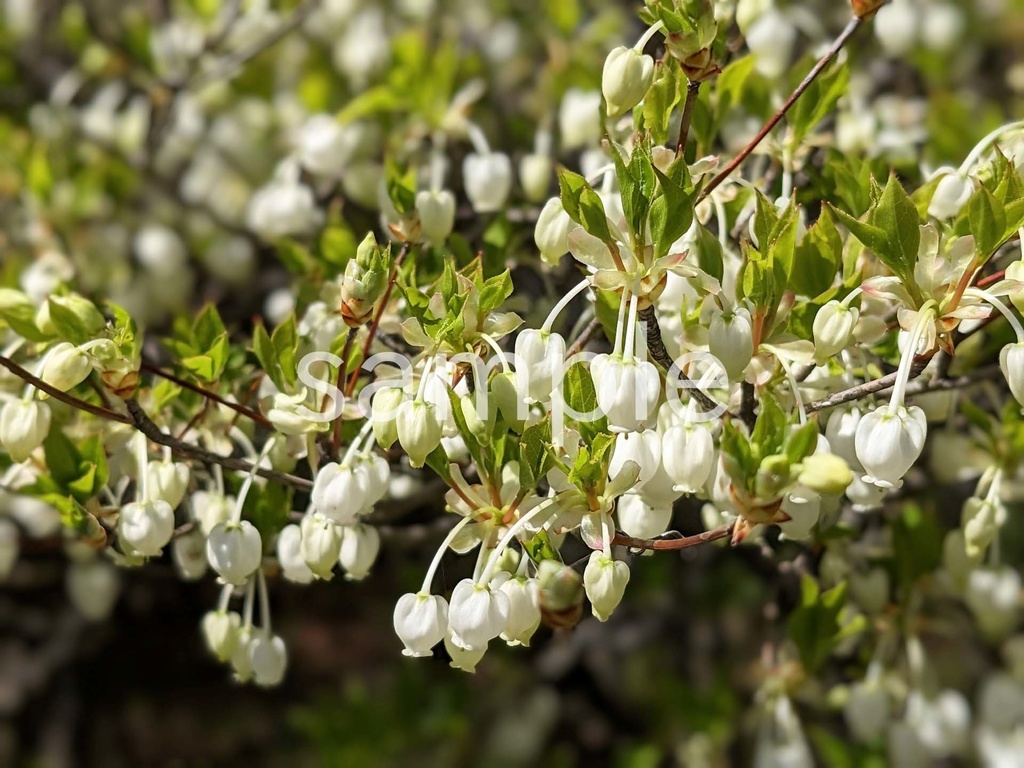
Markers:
point(324, 145)
point(640, 519)
point(841, 433)
point(65, 367)
point(688, 454)
point(24, 424)
point(167, 480)
point(888, 442)
point(340, 492)
point(605, 581)
point(289, 555)
point(421, 621)
point(535, 176)
point(1011, 362)
point(321, 543)
point(437, 215)
point(731, 340)
point(488, 180)
point(209, 509)
point(93, 587)
point(462, 658)
point(189, 555)
point(867, 710)
point(627, 391)
point(579, 118)
point(234, 551)
point(419, 431)
point(146, 526)
point(477, 614)
point(523, 610)
point(951, 195)
point(833, 329)
point(220, 630)
point(551, 233)
point(360, 545)
point(540, 359)
point(993, 596)
point(268, 659)
point(625, 79)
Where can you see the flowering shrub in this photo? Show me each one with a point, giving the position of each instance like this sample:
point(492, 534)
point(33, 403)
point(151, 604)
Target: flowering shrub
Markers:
point(713, 292)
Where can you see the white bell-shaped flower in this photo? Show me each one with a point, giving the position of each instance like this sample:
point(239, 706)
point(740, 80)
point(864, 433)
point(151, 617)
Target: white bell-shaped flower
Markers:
point(642, 448)
point(339, 492)
point(579, 119)
point(605, 581)
point(268, 659)
point(65, 367)
point(833, 329)
point(378, 478)
point(535, 176)
point(437, 215)
point(551, 233)
point(488, 180)
point(981, 520)
point(993, 596)
point(241, 664)
point(888, 442)
point(951, 195)
point(209, 509)
point(804, 508)
point(146, 526)
point(189, 555)
point(421, 621)
point(383, 415)
point(234, 551)
point(897, 25)
point(462, 658)
point(540, 359)
point(867, 711)
point(625, 79)
point(221, 630)
point(24, 425)
point(289, 555)
point(10, 546)
point(523, 610)
point(321, 543)
point(93, 588)
point(841, 433)
point(731, 340)
point(640, 519)
point(167, 480)
point(477, 615)
point(870, 589)
point(419, 430)
point(324, 145)
point(360, 545)
point(627, 391)
point(771, 39)
point(1011, 362)
point(688, 454)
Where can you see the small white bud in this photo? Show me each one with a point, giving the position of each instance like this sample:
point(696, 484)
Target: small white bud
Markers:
point(189, 555)
point(419, 430)
point(360, 545)
point(437, 215)
point(24, 426)
point(268, 659)
point(221, 631)
point(340, 492)
point(731, 340)
point(488, 180)
point(833, 329)
point(551, 233)
point(421, 621)
point(321, 543)
point(627, 391)
point(535, 176)
point(951, 195)
point(540, 359)
point(146, 526)
point(167, 480)
point(688, 454)
point(65, 367)
point(289, 555)
point(626, 78)
point(523, 610)
point(605, 580)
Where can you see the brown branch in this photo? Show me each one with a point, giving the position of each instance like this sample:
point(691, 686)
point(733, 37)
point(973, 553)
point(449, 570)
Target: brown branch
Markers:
point(185, 384)
point(64, 397)
point(584, 338)
point(867, 388)
point(692, 92)
point(825, 60)
point(342, 370)
point(656, 346)
point(683, 542)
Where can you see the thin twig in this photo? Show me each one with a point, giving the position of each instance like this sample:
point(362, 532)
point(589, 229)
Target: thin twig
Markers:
point(660, 355)
point(825, 60)
point(692, 92)
point(64, 397)
point(867, 388)
point(185, 384)
point(584, 338)
point(684, 542)
point(342, 370)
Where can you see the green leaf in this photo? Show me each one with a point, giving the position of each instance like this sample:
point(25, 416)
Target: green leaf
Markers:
point(208, 328)
point(818, 257)
point(285, 339)
point(818, 100)
point(495, 291)
point(987, 217)
point(709, 253)
point(583, 204)
point(581, 396)
point(534, 456)
point(20, 314)
point(814, 626)
point(672, 210)
point(267, 355)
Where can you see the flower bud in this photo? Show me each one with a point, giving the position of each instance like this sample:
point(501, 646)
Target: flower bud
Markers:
point(167, 480)
point(189, 555)
point(561, 587)
point(340, 492)
point(627, 391)
point(867, 711)
point(841, 433)
point(551, 234)
point(683, 45)
point(1011, 362)
point(488, 180)
point(896, 27)
point(419, 430)
point(321, 543)
point(731, 340)
point(605, 580)
point(1015, 271)
point(268, 659)
point(383, 413)
point(579, 119)
point(24, 426)
point(535, 176)
point(364, 282)
point(234, 551)
point(93, 588)
point(324, 146)
point(833, 329)
point(289, 555)
point(688, 454)
point(65, 367)
point(981, 520)
point(209, 509)
point(523, 610)
point(421, 621)
point(240, 661)
point(221, 631)
point(504, 390)
point(360, 545)
point(146, 526)
point(625, 80)
point(951, 195)
point(10, 547)
point(540, 358)
point(437, 215)
point(993, 597)
point(771, 39)
point(888, 442)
